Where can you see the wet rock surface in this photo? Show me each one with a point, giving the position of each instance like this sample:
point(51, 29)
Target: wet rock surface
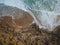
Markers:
point(17, 16)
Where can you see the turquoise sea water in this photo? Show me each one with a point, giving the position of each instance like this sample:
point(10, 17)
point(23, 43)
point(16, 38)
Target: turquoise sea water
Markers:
point(43, 11)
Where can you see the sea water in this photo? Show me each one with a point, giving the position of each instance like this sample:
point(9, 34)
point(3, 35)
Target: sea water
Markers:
point(44, 12)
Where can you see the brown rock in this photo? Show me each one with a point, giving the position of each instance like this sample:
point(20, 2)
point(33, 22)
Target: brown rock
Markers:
point(14, 15)
point(57, 28)
point(24, 20)
point(6, 20)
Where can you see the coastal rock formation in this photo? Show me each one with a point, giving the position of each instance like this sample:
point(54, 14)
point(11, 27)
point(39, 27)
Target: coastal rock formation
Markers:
point(15, 29)
point(29, 36)
point(19, 17)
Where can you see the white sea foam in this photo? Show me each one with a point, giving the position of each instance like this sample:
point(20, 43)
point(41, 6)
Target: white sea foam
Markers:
point(44, 12)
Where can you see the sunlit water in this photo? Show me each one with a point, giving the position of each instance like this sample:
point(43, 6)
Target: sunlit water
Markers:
point(44, 12)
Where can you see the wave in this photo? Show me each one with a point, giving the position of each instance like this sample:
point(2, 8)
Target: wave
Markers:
point(44, 12)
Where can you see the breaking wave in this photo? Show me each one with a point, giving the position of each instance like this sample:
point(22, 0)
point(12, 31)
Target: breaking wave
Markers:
point(45, 12)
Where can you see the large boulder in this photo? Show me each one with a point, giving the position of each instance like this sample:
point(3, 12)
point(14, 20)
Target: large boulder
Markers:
point(17, 17)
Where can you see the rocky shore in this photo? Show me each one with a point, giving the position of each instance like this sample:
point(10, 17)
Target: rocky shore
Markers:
point(31, 35)
point(17, 29)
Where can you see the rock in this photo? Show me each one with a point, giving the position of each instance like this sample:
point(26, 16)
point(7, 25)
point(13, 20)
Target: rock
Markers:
point(31, 35)
point(56, 32)
point(24, 20)
point(19, 17)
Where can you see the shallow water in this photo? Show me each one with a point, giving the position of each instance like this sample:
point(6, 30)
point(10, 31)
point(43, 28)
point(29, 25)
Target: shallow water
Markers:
point(45, 12)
